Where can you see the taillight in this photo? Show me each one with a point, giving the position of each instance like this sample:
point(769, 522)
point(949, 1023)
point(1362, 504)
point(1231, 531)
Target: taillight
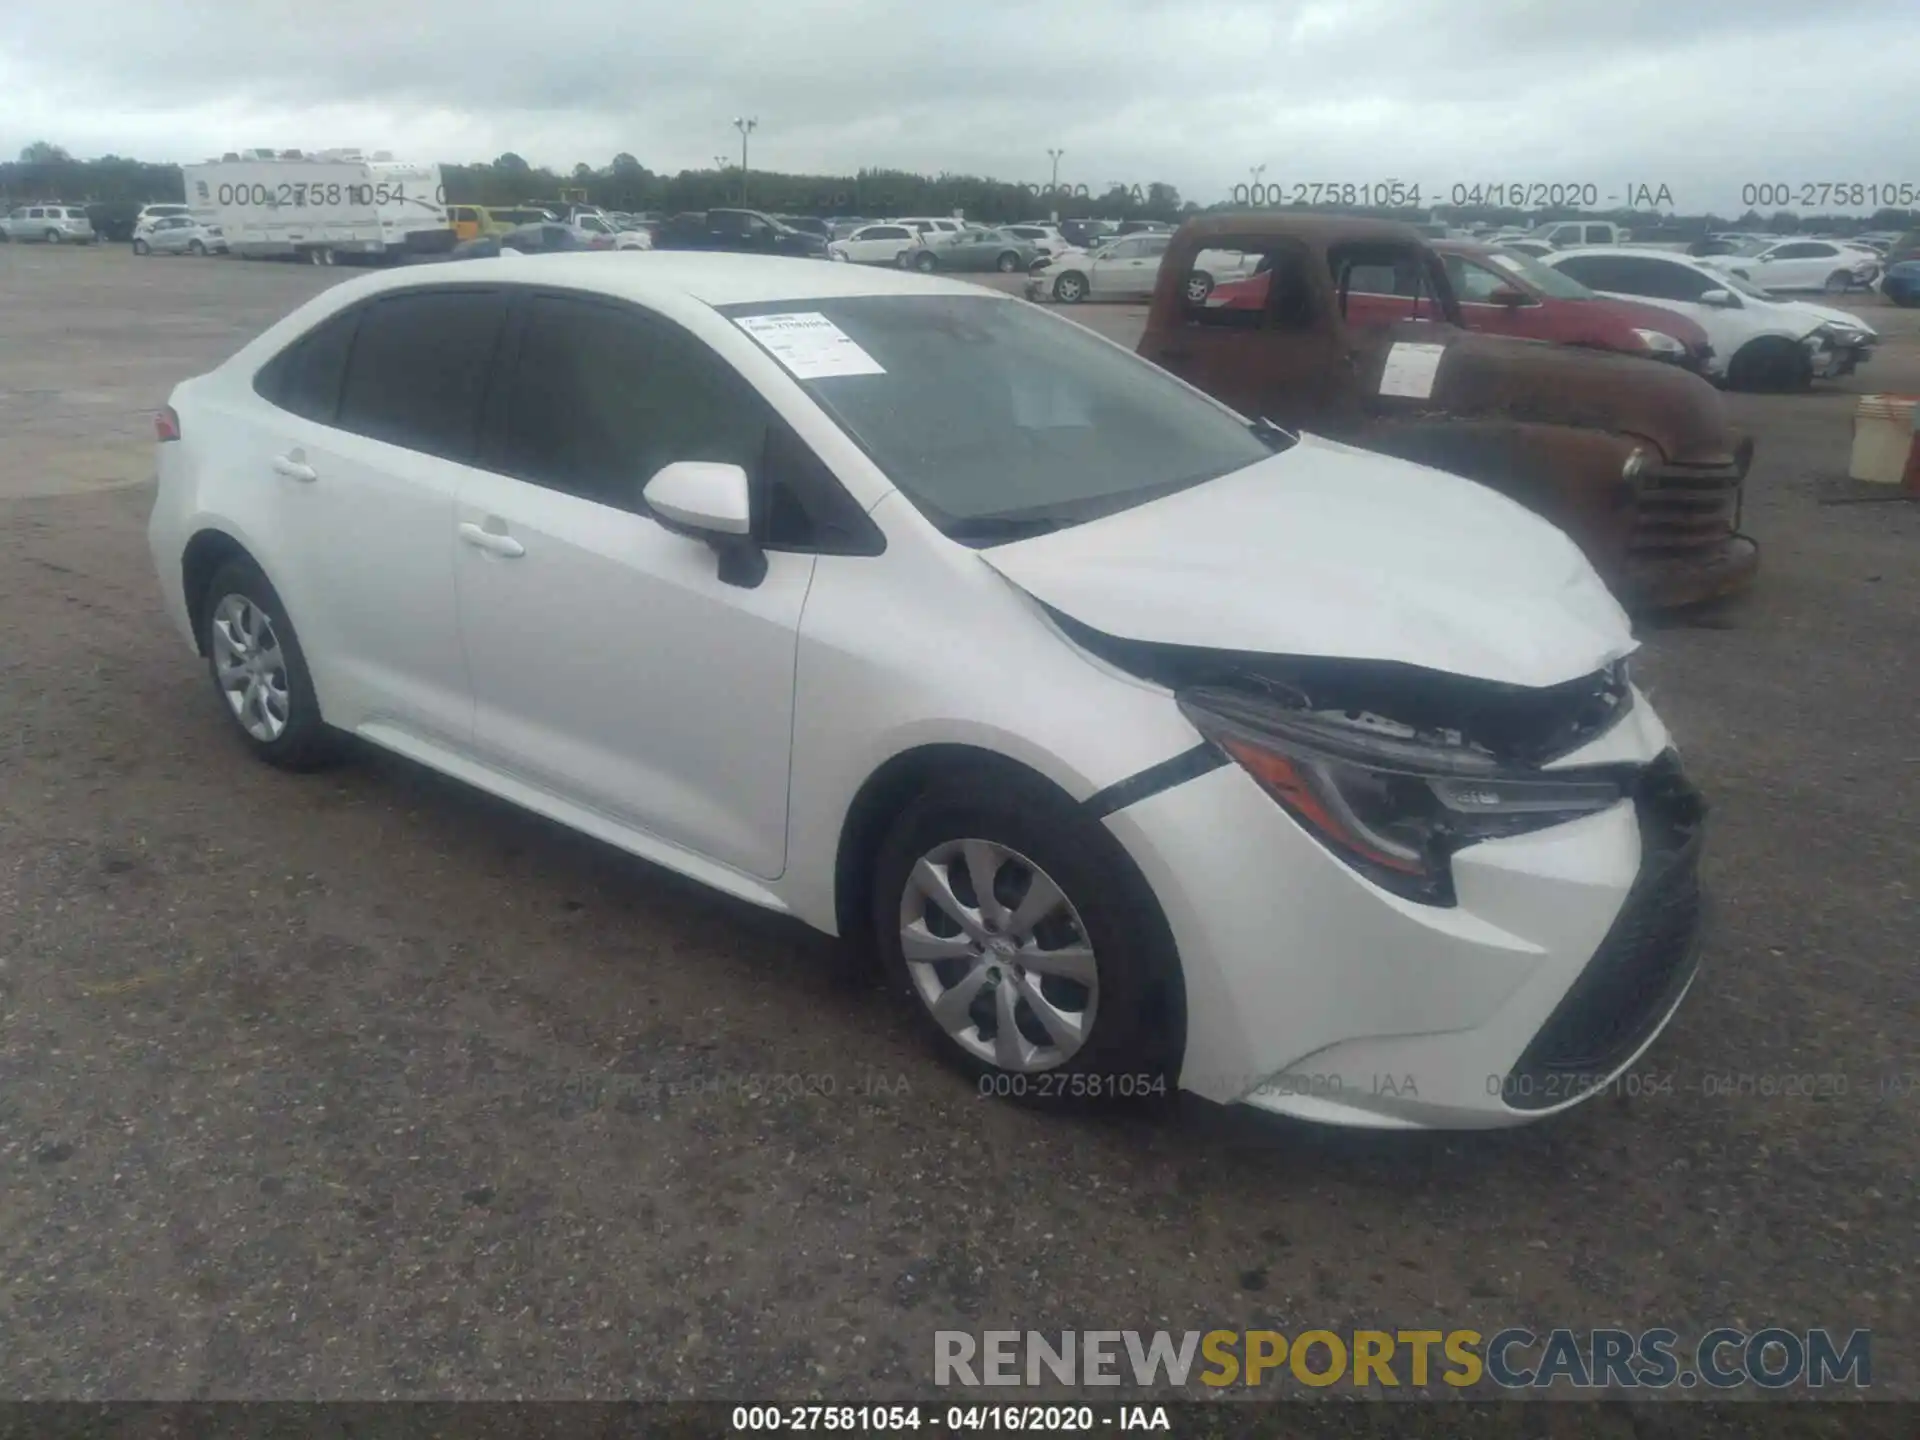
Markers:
point(166, 425)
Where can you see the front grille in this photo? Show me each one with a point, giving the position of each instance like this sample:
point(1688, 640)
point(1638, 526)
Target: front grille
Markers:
point(1687, 509)
point(1643, 964)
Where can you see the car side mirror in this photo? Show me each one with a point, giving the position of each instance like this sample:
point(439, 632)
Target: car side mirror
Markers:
point(1721, 299)
point(1508, 296)
point(711, 502)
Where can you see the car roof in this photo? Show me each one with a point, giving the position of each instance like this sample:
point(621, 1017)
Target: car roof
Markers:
point(646, 276)
point(1316, 230)
point(1646, 252)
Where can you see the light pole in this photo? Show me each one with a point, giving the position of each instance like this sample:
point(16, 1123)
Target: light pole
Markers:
point(746, 127)
point(1254, 194)
point(720, 168)
point(1053, 187)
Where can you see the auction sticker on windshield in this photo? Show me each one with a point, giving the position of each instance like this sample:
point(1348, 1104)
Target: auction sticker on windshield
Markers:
point(1410, 370)
point(809, 345)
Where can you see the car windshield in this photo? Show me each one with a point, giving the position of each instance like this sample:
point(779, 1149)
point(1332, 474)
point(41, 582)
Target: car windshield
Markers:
point(1544, 278)
point(999, 420)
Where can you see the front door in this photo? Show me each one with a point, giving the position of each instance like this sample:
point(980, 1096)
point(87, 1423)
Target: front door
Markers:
point(611, 665)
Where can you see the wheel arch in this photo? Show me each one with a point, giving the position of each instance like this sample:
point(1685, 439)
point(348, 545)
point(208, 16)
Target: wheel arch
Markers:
point(894, 784)
point(883, 795)
point(200, 561)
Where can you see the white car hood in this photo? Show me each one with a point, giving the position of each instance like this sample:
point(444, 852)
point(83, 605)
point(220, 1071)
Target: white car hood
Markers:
point(1827, 315)
point(1327, 550)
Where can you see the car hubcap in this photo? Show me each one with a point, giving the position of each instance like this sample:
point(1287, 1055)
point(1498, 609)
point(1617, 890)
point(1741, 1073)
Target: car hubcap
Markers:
point(999, 956)
point(1196, 291)
point(252, 671)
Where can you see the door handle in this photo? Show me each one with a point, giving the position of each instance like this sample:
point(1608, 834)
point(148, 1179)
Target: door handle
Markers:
point(491, 541)
point(294, 469)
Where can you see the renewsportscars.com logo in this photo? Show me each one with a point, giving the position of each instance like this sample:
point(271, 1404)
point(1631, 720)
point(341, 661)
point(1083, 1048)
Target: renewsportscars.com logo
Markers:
point(1514, 1359)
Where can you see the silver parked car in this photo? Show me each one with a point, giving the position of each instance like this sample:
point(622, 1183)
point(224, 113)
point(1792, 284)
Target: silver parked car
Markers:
point(179, 235)
point(55, 224)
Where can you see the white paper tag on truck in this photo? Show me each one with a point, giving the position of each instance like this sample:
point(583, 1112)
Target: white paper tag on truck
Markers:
point(809, 345)
point(1410, 370)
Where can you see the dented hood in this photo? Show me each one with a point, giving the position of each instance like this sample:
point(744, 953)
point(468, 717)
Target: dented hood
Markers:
point(1332, 551)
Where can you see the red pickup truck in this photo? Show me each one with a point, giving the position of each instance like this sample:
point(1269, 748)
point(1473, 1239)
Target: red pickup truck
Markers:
point(1508, 294)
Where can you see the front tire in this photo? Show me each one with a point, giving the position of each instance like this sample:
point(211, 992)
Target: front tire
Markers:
point(140, 247)
point(924, 262)
point(53, 237)
point(1839, 283)
point(260, 672)
point(1771, 365)
point(1007, 263)
point(1026, 943)
point(1070, 288)
point(194, 247)
point(1199, 287)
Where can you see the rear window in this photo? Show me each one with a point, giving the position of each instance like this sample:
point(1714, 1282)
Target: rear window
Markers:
point(305, 377)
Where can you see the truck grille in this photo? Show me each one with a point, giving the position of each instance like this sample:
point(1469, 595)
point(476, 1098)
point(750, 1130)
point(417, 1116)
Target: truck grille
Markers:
point(1646, 960)
point(1687, 509)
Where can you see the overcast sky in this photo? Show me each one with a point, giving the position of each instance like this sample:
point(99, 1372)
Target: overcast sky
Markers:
point(1700, 95)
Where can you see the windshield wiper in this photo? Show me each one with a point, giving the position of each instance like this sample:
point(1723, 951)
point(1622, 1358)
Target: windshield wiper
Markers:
point(1272, 436)
point(1004, 527)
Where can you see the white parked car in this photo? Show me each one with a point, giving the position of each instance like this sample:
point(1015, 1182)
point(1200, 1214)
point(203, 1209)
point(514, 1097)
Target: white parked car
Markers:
point(54, 224)
point(1123, 269)
point(1047, 239)
point(1142, 753)
point(1568, 234)
point(1834, 266)
point(931, 228)
point(883, 244)
point(1759, 340)
point(144, 221)
point(179, 235)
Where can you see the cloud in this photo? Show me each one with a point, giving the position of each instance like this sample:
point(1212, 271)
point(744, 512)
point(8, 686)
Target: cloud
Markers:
point(1701, 97)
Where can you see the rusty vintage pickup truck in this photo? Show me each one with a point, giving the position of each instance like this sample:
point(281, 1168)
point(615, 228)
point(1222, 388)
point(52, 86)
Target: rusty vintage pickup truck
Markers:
point(1633, 459)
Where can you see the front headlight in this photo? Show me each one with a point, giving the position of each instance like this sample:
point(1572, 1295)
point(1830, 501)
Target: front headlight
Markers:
point(1389, 803)
point(1658, 342)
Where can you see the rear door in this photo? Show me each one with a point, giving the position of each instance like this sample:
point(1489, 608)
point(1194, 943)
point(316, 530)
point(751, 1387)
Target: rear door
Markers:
point(379, 417)
point(611, 663)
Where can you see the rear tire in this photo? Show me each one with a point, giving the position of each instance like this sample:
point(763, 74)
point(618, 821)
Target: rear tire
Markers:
point(1199, 287)
point(924, 262)
point(1839, 283)
point(140, 247)
point(194, 247)
point(1007, 263)
point(1114, 1033)
point(260, 673)
point(53, 237)
point(1070, 288)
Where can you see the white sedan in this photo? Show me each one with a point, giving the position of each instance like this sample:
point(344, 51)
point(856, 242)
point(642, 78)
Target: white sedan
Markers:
point(179, 235)
point(1760, 341)
point(1830, 265)
point(1121, 730)
point(1129, 269)
point(885, 244)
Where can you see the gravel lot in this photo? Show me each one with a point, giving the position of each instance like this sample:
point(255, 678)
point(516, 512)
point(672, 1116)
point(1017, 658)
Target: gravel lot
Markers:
point(362, 1085)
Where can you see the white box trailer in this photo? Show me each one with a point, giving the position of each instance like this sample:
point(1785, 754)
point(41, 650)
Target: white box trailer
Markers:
point(314, 207)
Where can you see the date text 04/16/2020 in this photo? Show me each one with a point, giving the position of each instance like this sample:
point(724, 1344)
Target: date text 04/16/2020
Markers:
point(1500, 194)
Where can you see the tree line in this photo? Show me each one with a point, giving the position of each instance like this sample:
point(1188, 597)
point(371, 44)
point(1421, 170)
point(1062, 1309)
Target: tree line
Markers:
point(45, 171)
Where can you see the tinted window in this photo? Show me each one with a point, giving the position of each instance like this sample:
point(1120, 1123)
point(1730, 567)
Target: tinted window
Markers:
point(305, 377)
point(601, 398)
point(1600, 272)
point(1663, 281)
point(1599, 234)
point(419, 368)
